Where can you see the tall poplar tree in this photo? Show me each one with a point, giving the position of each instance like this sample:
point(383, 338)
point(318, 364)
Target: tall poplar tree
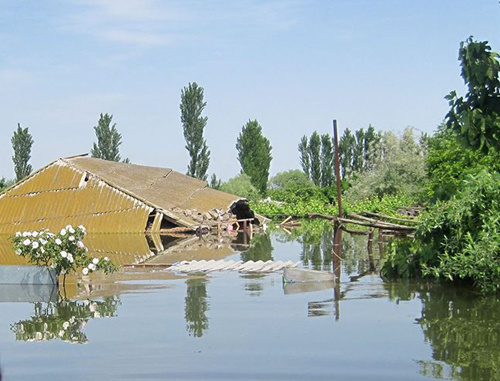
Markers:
point(304, 156)
point(22, 142)
point(326, 160)
point(254, 154)
point(315, 158)
point(108, 140)
point(193, 123)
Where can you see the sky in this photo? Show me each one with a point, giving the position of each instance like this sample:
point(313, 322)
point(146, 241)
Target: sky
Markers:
point(294, 65)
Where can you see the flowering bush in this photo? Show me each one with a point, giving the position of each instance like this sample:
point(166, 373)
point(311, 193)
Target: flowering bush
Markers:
point(64, 251)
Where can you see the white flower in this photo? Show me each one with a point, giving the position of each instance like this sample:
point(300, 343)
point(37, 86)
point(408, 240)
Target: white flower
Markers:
point(97, 314)
point(91, 267)
point(106, 259)
point(18, 251)
point(82, 228)
point(70, 229)
point(35, 234)
point(35, 245)
point(42, 241)
point(65, 325)
point(58, 241)
point(95, 261)
point(42, 250)
point(63, 232)
point(72, 319)
point(80, 244)
point(18, 234)
point(38, 336)
point(61, 333)
point(85, 271)
point(64, 254)
point(26, 242)
point(71, 238)
point(70, 258)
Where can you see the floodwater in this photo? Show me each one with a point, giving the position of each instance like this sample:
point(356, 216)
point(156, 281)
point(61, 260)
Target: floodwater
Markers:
point(147, 324)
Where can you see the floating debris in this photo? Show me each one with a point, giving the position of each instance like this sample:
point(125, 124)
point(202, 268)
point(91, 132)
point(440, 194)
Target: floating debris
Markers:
point(204, 266)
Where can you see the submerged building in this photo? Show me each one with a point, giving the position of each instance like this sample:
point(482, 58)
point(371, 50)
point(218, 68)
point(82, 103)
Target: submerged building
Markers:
point(111, 197)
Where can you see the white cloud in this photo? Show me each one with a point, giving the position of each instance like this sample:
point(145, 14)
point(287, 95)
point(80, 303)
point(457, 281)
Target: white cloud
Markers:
point(154, 23)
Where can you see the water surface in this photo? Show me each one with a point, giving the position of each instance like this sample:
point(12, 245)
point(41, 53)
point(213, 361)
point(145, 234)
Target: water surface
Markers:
point(228, 326)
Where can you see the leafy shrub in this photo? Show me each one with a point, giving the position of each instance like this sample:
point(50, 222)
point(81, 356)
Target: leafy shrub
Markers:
point(458, 238)
point(241, 186)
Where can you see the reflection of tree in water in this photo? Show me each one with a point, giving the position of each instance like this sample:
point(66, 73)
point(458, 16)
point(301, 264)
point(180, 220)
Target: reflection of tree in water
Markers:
point(196, 307)
point(462, 329)
point(317, 244)
point(261, 249)
point(317, 239)
point(464, 332)
point(63, 320)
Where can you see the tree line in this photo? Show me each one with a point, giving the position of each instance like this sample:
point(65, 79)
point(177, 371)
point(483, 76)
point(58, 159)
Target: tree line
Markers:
point(253, 148)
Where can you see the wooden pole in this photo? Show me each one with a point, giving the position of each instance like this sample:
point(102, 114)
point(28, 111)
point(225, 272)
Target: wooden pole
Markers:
point(337, 166)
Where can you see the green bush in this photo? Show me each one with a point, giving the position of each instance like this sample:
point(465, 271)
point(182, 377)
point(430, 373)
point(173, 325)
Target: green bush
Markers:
point(458, 238)
point(241, 186)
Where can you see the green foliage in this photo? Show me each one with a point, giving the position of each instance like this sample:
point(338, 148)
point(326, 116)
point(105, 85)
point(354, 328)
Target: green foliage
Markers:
point(64, 251)
point(319, 200)
point(327, 178)
point(289, 180)
point(314, 148)
point(192, 106)
point(316, 158)
point(4, 184)
point(305, 162)
point(459, 238)
point(21, 144)
point(215, 183)
point(241, 185)
point(448, 163)
point(109, 140)
point(359, 151)
point(475, 118)
point(254, 154)
point(397, 168)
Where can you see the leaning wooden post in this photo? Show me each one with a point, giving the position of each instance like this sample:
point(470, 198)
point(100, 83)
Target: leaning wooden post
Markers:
point(337, 167)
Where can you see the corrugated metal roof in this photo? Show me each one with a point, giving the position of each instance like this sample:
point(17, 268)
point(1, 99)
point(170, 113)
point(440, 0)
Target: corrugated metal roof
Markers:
point(161, 188)
point(107, 196)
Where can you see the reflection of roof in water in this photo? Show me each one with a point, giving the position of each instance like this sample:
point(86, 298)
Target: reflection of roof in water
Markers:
point(127, 249)
point(107, 196)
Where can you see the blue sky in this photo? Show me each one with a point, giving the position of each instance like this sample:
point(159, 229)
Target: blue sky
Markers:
point(294, 65)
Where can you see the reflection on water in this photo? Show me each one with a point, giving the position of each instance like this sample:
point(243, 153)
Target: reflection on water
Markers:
point(196, 306)
point(456, 335)
point(464, 332)
point(261, 249)
point(64, 320)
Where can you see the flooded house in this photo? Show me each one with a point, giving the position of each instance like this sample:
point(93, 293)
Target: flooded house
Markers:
point(113, 197)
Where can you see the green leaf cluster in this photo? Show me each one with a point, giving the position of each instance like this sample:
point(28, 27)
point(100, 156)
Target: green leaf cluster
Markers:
point(109, 140)
point(475, 118)
point(254, 154)
point(22, 141)
point(458, 238)
point(193, 123)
